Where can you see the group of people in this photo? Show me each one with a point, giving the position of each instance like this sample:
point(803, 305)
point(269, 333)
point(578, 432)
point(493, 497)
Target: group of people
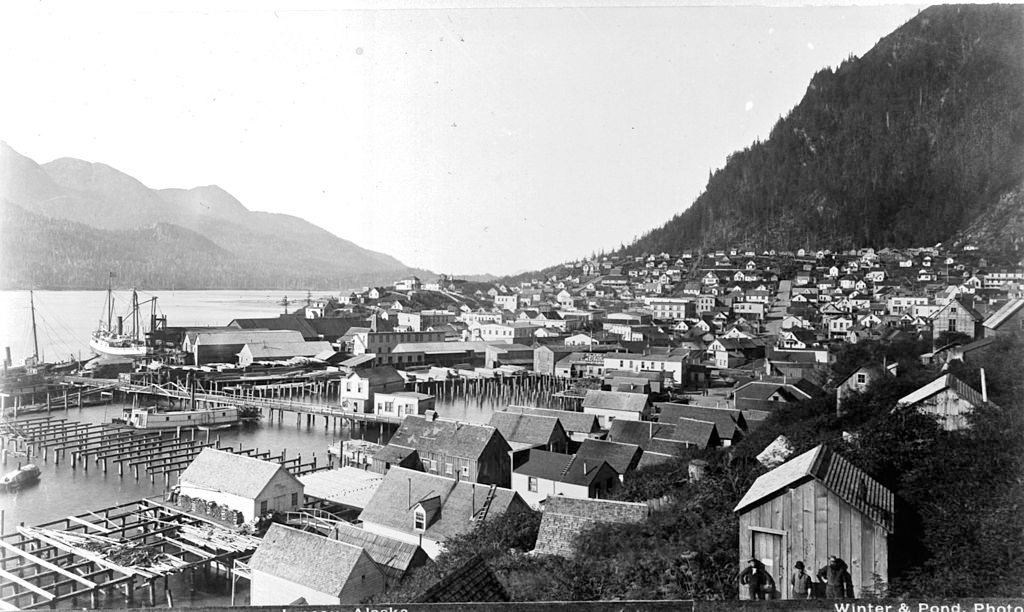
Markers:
point(835, 576)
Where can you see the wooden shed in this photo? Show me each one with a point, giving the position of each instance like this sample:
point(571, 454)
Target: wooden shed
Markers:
point(815, 505)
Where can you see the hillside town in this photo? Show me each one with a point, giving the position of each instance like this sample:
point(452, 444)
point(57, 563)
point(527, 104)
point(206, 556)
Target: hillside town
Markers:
point(603, 372)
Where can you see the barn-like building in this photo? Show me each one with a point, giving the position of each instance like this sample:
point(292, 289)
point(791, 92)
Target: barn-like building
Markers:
point(815, 505)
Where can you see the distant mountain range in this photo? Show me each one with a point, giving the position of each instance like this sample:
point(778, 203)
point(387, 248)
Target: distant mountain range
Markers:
point(920, 141)
point(67, 223)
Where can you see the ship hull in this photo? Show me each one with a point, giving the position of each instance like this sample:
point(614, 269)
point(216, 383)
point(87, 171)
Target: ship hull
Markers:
point(149, 419)
point(102, 347)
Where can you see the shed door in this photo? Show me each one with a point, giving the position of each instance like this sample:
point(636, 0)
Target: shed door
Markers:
point(768, 549)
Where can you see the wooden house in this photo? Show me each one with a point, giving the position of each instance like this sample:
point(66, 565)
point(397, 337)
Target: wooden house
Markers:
point(292, 565)
point(402, 403)
point(470, 451)
point(857, 382)
point(528, 431)
point(545, 473)
point(816, 505)
point(357, 390)
point(1008, 320)
point(730, 424)
point(948, 398)
point(608, 406)
point(957, 316)
point(578, 425)
point(394, 558)
point(247, 485)
point(425, 509)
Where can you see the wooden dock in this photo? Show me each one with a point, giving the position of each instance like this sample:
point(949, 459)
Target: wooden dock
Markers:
point(103, 556)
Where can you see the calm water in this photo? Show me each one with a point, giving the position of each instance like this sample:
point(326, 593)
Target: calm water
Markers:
point(65, 320)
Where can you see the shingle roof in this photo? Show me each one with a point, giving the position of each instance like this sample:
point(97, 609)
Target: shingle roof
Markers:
point(946, 381)
point(622, 457)
point(394, 557)
point(838, 475)
point(565, 518)
point(728, 422)
point(452, 438)
point(570, 469)
point(402, 489)
point(531, 428)
point(380, 375)
point(473, 581)
point(573, 422)
point(309, 559)
point(218, 470)
point(1005, 312)
point(615, 400)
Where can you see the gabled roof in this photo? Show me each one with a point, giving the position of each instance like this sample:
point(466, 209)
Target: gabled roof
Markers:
point(565, 518)
point(394, 557)
point(452, 438)
point(622, 457)
point(1005, 312)
point(573, 422)
point(380, 375)
point(847, 481)
point(393, 502)
point(242, 337)
point(309, 559)
point(569, 469)
point(615, 400)
point(946, 381)
point(221, 471)
point(265, 349)
point(727, 421)
point(530, 428)
point(473, 581)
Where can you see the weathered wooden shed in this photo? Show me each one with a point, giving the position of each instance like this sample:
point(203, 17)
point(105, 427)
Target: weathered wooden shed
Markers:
point(815, 505)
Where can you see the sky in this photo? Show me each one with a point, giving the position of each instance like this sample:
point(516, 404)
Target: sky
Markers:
point(465, 137)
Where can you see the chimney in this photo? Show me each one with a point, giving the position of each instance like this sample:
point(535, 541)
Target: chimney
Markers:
point(584, 466)
point(984, 387)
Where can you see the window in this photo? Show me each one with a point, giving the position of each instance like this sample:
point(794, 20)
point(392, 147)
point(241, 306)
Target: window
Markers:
point(263, 507)
point(862, 379)
point(465, 470)
point(419, 519)
point(532, 484)
point(952, 325)
point(295, 499)
point(952, 310)
point(449, 469)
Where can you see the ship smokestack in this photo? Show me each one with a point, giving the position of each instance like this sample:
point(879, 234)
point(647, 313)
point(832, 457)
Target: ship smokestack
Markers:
point(7, 356)
point(120, 325)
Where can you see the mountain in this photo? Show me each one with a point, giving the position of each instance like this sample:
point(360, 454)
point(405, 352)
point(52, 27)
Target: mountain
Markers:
point(67, 222)
point(920, 141)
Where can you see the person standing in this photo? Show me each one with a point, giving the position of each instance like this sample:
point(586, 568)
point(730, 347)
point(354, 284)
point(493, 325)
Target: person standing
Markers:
point(757, 580)
point(801, 582)
point(838, 583)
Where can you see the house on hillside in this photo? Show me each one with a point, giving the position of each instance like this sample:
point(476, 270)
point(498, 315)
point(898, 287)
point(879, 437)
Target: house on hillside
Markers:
point(291, 566)
point(545, 473)
point(528, 431)
point(857, 382)
point(665, 438)
point(608, 406)
point(578, 425)
point(815, 505)
point(394, 558)
point(470, 451)
point(425, 509)
point(623, 458)
point(1007, 321)
point(958, 316)
point(247, 485)
point(730, 424)
point(948, 398)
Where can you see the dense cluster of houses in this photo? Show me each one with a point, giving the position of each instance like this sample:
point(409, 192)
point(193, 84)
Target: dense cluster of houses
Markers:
point(670, 352)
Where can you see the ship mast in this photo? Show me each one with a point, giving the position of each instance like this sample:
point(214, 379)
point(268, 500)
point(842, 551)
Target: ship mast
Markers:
point(110, 300)
point(35, 338)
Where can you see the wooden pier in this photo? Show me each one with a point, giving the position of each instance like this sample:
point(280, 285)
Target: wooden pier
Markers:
point(98, 558)
point(134, 452)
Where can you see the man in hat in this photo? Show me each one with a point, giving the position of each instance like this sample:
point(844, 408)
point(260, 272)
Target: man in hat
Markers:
point(757, 580)
point(801, 582)
point(837, 579)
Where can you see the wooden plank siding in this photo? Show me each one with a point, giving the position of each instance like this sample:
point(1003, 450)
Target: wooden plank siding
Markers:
point(815, 523)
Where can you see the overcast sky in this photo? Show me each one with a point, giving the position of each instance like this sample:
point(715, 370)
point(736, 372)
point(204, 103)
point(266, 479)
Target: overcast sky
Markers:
point(461, 140)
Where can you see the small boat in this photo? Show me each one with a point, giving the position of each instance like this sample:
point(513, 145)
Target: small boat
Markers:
point(21, 477)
